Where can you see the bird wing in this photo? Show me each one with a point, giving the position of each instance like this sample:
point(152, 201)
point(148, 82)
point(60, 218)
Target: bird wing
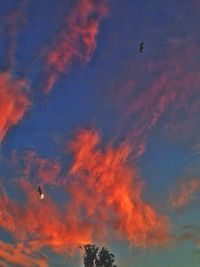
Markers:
point(141, 47)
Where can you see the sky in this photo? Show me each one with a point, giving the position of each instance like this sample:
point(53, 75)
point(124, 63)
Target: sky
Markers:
point(110, 134)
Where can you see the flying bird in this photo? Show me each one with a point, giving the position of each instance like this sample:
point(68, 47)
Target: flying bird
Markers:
point(141, 47)
point(40, 192)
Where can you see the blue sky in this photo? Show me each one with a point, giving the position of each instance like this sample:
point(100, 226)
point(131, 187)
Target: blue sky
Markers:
point(93, 121)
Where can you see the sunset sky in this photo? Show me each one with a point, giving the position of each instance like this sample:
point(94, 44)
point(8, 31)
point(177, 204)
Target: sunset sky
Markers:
point(110, 134)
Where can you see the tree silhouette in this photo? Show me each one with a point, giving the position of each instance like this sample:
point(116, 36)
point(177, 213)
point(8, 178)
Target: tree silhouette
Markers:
point(90, 255)
point(103, 259)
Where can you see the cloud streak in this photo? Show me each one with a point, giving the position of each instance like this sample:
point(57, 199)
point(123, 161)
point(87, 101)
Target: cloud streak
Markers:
point(168, 83)
point(77, 42)
point(11, 25)
point(20, 256)
point(185, 193)
point(14, 102)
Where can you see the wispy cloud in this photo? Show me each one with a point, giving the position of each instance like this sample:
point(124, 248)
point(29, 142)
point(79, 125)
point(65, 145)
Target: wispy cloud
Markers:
point(168, 84)
point(14, 101)
point(77, 41)
point(20, 255)
point(37, 170)
point(185, 193)
point(104, 179)
point(11, 25)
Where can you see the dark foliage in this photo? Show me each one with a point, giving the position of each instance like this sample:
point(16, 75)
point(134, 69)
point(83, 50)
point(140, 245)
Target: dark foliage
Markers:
point(93, 257)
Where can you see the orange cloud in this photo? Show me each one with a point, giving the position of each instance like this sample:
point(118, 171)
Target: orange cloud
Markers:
point(77, 41)
point(109, 191)
point(14, 102)
point(185, 193)
point(19, 255)
point(103, 197)
point(41, 223)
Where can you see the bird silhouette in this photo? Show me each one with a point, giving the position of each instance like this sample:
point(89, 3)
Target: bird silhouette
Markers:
point(40, 192)
point(141, 47)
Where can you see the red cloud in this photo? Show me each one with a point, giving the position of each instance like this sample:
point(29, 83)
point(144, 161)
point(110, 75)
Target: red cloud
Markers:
point(103, 197)
point(110, 192)
point(77, 41)
point(14, 102)
point(20, 256)
point(41, 223)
